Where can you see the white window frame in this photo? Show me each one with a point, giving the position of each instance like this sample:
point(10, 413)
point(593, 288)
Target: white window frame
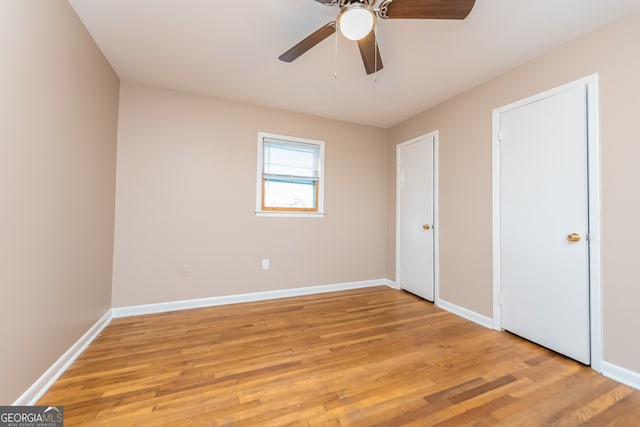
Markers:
point(280, 213)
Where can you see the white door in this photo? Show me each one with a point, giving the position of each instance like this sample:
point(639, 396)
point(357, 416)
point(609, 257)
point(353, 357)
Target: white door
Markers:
point(544, 251)
point(415, 217)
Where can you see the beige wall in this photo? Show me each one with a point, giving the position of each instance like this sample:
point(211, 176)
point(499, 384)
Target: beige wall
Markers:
point(464, 123)
point(58, 112)
point(186, 191)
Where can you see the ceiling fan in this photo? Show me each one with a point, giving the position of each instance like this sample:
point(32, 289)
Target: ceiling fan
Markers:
point(357, 19)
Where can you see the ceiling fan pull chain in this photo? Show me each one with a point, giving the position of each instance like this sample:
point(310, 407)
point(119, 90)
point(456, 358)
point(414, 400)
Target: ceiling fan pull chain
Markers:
point(335, 55)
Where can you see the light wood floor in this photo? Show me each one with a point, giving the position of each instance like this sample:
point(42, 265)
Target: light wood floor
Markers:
point(369, 357)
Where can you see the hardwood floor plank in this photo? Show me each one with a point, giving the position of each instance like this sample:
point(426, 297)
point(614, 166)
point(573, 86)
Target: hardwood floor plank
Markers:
point(477, 412)
point(482, 389)
point(602, 402)
point(365, 357)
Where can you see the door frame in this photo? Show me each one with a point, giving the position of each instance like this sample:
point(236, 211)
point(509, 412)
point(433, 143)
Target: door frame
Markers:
point(436, 223)
point(594, 211)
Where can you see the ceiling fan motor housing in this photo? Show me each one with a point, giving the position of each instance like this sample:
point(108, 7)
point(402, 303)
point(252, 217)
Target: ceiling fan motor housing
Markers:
point(378, 7)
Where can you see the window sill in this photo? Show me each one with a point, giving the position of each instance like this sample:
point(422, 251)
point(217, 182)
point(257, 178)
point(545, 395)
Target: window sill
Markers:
point(290, 214)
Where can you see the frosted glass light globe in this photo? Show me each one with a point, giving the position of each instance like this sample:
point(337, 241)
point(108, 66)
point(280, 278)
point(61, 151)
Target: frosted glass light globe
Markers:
point(356, 21)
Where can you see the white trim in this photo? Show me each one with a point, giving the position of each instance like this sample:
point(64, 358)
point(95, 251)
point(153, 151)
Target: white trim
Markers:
point(465, 313)
point(259, 212)
point(495, 223)
point(595, 214)
point(436, 218)
point(46, 380)
point(291, 214)
point(436, 223)
point(162, 307)
point(390, 283)
point(592, 84)
point(620, 374)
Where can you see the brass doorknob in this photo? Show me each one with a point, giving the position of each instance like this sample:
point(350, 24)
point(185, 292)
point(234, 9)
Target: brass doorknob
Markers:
point(426, 227)
point(573, 237)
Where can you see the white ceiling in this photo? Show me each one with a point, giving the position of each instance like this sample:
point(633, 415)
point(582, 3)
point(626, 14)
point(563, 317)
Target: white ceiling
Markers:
point(230, 49)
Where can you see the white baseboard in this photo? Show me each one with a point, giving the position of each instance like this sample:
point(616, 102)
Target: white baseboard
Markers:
point(620, 374)
point(162, 307)
point(390, 283)
point(480, 319)
point(42, 384)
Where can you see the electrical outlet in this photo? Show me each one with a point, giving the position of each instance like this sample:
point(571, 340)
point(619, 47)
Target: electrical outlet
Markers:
point(265, 263)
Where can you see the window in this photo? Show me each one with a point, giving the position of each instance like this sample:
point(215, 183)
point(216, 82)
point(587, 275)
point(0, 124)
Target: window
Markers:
point(290, 176)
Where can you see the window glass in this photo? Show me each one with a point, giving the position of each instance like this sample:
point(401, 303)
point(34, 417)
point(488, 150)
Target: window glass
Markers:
point(290, 174)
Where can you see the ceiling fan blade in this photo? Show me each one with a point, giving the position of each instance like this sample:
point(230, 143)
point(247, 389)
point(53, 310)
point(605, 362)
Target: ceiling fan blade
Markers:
point(370, 53)
point(429, 9)
point(309, 42)
point(325, 1)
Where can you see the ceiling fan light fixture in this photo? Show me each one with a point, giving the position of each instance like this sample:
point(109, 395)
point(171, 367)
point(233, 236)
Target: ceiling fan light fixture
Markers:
point(356, 21)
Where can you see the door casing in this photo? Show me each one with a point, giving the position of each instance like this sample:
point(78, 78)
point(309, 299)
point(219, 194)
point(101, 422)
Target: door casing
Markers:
point(436, 222)
point(593, 167)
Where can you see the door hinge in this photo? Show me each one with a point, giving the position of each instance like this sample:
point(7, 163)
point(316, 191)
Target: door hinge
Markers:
point(500, 135)
point(500, 300)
